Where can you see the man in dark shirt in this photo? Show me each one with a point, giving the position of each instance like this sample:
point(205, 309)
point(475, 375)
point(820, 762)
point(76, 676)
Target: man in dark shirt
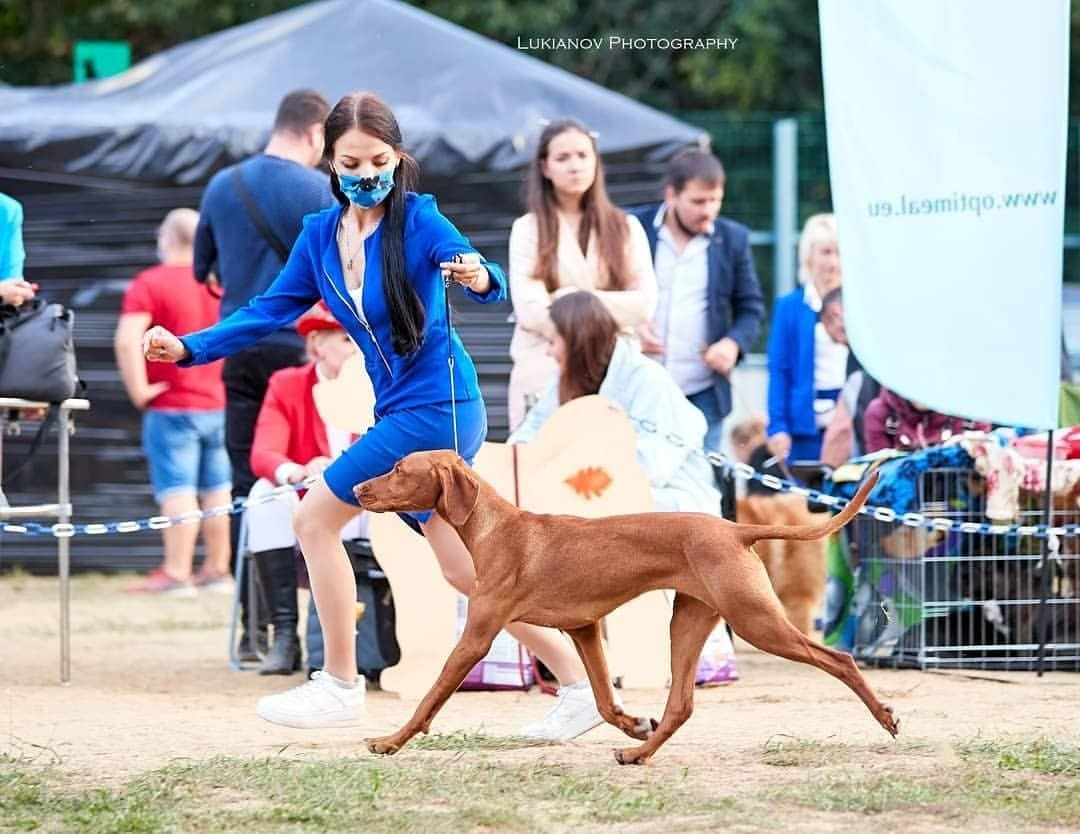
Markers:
point(250, 216)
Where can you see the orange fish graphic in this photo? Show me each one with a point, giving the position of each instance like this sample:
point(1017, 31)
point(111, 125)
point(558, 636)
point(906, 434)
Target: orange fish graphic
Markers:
point(590, 482)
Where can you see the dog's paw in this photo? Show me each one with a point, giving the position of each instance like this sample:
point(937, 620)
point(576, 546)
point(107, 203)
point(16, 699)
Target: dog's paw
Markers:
point(888, 720)
point(639, 728)
point(382, 746)
point(630, 756)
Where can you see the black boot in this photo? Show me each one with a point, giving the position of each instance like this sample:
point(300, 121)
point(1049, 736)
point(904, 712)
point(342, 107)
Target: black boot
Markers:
point(245, 651)
point(278, 570)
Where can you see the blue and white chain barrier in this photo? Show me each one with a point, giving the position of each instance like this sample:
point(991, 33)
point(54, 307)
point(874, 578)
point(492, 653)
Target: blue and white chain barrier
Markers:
point(887, 515)
point(742, 471)
point(157, 522)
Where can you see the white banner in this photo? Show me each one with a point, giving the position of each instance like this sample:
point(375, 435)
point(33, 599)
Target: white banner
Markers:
point(946, 129)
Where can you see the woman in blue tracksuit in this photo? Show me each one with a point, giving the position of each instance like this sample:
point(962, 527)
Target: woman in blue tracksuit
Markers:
point(378, 262)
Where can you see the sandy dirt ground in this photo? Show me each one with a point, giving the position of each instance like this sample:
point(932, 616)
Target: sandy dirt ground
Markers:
point(151, 684)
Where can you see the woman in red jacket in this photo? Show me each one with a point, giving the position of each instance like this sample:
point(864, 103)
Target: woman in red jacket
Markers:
point(293, 443)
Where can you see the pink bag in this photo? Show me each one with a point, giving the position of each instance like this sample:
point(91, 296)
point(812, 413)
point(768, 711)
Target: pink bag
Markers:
point(505, 667)
point(716, 666)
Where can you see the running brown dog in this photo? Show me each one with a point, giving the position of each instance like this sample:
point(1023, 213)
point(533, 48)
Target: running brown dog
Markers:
point(567, 572)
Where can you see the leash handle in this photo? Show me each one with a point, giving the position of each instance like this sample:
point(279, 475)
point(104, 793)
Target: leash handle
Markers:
point(450, 354)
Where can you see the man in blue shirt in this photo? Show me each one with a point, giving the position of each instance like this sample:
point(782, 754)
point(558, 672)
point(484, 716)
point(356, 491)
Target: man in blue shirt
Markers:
point(250, 216)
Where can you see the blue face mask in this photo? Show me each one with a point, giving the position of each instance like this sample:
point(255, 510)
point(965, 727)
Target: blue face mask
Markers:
point(366, 192)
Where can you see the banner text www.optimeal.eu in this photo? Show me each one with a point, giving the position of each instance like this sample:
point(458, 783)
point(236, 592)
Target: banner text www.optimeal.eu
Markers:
point(960, 203)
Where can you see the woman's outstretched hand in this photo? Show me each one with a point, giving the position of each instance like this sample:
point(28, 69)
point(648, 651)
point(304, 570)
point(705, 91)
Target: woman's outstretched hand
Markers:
point(159, 345)
point(468, 271)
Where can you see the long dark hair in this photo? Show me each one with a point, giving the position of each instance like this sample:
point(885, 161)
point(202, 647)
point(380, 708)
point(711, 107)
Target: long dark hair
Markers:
point(599, 214)
point(370, 114)
point(589, 332)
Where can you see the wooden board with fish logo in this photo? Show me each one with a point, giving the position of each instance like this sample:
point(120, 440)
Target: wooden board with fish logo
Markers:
point(581, 463)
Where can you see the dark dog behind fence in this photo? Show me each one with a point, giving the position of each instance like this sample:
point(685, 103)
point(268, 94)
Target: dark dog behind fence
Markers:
point(928, 599)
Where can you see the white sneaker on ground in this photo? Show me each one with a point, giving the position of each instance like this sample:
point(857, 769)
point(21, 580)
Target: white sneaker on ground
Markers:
point(223, 584)
point(574, 713)
point(321, 702)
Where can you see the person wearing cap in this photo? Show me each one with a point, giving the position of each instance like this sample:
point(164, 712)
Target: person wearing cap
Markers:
point(292, 443)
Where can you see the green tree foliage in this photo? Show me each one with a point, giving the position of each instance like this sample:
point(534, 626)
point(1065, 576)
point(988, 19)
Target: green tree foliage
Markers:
point(776, 65)
point(37, 36)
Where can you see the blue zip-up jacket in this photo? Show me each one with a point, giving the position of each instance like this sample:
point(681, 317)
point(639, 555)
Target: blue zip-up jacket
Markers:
point(313, 271)
point(791, 366)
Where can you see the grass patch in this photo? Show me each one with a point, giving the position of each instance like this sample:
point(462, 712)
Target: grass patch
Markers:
point(397, 795)
point(16, 751)
point(1041, 755)
point(466, 741)
point(791, 751)
point(1001, 785)
point(29, 803)
point(853, 792)
point(964, 792)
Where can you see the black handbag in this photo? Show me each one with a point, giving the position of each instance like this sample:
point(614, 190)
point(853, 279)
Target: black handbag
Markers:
point(376, 631)
point(37, 352)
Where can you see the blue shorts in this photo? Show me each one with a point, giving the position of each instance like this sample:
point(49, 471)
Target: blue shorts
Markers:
point(186, 452)
point(806, 446)
point(423, 429)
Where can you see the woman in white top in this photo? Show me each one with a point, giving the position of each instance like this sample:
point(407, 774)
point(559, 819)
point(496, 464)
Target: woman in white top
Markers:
point(573, 238)
point(591, 358)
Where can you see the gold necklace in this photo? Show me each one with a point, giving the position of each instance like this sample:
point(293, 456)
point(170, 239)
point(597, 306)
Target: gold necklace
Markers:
point(348, 245)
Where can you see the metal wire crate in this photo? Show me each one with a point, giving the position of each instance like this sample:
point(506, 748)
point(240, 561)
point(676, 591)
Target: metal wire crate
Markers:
point(930, 599)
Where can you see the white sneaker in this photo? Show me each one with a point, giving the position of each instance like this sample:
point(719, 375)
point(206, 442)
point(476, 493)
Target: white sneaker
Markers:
point(321, 702)
point(223, 585)
point(574, 713)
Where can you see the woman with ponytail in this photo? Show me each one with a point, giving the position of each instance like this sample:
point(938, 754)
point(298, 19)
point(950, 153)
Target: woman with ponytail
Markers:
point(378, 262)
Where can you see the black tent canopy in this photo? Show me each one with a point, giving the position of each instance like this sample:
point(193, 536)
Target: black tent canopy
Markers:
point(464, 102)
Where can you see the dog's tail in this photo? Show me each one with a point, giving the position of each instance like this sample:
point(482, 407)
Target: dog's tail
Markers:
point(750, 533)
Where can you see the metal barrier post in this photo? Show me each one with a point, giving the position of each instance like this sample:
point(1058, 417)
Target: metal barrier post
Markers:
point(63, 543)
point(1044, 571)
point(61, 511)
point(785, 204)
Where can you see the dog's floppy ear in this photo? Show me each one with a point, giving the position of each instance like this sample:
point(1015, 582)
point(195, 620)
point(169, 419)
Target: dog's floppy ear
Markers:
point(460, 492)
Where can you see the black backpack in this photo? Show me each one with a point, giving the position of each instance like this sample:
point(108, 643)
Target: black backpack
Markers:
point(376, 638)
